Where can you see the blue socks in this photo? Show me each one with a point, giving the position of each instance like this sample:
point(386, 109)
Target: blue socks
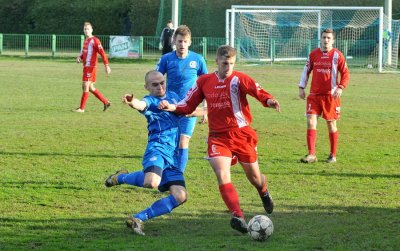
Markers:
point(134, 179)
point(160, 207)
point(183, 158)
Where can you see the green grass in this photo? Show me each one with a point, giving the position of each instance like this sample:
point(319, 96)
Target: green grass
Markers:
point(53, 164)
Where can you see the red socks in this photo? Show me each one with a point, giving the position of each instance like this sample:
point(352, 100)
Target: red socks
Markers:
point(311, 140)
point(100, 96)
point(333, 138)
point(84, 98)
point(231, 198)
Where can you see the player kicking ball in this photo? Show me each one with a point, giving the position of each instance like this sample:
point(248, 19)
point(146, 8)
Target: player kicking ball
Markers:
point(159, 164)
point(230, 133)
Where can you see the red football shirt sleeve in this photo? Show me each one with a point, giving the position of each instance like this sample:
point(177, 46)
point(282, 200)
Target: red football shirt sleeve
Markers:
point(101, 52)
point(306, 73)
point(255, 90)
point(193, 98)
point(344, 72)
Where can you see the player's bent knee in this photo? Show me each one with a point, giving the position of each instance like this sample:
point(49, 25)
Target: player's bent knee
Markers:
point(180, 195)
point(151, 184)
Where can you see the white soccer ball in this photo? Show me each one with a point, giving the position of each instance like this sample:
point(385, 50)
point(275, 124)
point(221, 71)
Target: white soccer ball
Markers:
point(260, 227)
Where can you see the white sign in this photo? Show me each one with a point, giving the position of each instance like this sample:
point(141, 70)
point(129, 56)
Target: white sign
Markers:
point(124, 47)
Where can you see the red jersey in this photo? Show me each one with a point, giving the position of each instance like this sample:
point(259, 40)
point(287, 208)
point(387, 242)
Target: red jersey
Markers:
point(91, 47)
point(227, 105)
point(325, 67)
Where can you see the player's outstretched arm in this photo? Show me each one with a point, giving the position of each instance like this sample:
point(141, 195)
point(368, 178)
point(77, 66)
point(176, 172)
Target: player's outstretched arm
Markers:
point(274, 103)
point(133, 102)
point(199, 112)
point(166, 106)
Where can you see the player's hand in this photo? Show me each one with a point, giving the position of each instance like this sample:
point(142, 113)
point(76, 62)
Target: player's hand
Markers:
point(337, 93)
point(107, 69)
point(127, 98)
point(78, 59)
point(274, 103)
point(166, 106)
point(302, 93)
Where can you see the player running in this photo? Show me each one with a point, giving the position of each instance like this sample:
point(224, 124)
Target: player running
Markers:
point(230, 134)
point(182, 67)
point(324, 99)
point(91, 47)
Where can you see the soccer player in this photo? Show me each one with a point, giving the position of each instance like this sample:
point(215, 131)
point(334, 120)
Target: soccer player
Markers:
point(159, 168)
point(183, 67)
point(325, 63)
point(230, 133)
point(91, 47)
point(166, 38)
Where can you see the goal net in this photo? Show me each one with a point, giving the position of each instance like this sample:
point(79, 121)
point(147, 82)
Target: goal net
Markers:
point(275, 34)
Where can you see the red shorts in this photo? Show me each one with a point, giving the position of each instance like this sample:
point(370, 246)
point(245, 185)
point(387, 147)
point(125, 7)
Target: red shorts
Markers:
point(239, 142)
point(89, 74)
point(324, 105)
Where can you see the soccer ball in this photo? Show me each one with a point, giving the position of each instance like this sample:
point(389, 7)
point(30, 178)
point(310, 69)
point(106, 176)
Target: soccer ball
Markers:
point(260, 227)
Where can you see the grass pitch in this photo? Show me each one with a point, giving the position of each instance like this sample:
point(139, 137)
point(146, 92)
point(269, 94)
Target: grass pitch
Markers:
point(53, 164)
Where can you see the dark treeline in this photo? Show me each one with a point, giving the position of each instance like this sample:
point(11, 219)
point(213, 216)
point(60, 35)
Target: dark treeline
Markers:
point(204, 17)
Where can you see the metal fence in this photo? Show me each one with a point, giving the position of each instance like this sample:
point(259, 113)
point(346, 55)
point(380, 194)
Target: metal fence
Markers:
point(70, 45)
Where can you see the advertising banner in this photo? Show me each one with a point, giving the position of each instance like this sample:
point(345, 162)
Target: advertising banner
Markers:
point(124, 47)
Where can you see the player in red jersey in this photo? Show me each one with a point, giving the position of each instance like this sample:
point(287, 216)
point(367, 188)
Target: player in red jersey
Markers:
point(230, 134)
point(325, 63)
point(91, 47)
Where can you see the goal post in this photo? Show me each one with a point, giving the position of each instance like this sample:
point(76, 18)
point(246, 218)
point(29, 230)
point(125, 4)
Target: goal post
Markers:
point(287, 33)
point(270, 53)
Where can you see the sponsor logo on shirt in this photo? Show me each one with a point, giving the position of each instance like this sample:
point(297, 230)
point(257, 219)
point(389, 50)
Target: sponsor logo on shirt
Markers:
point(234, 88)
point(323, 63)
point(220, 105)
point(220, 86)
point(328, 71)
point(193, 64)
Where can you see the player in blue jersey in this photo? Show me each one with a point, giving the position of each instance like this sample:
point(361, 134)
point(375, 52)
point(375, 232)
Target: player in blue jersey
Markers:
point(159, 163)
point(183, 67)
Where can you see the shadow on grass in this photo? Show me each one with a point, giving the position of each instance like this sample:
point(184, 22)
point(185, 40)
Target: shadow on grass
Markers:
point(304, 228)
point(339, 174)
point(83, 155)
point(41, 185)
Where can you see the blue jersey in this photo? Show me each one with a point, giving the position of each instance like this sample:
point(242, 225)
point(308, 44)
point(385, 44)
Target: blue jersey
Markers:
point(182, 73)
point(162, 125)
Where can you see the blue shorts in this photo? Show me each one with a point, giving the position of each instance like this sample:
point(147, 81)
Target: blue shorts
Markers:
point(186, 125)
point(160, 160)
point(159, 154)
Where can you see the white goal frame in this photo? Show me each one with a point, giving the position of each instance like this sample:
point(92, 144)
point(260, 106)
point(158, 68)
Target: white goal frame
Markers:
point(230, 19)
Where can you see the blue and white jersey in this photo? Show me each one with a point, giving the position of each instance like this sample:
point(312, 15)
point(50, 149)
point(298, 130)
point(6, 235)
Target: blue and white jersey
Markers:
point(182, 73)
point(162, 125)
